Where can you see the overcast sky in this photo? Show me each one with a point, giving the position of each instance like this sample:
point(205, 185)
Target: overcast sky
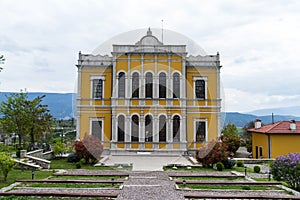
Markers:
point(258, 40)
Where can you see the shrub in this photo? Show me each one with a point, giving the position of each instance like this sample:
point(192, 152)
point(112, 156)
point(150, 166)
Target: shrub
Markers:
point(211, 153)
point(220, 166)
point(231, 138)
point(73, 158)
point(240, 163)
point(229, 163)
point(246, 187)
point(287, 168)
point(256, 169)
point(78, 165)
point(59, 148)
point(6, 164)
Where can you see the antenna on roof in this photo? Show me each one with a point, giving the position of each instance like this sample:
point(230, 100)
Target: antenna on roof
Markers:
point(162, 31)
point(272, 118)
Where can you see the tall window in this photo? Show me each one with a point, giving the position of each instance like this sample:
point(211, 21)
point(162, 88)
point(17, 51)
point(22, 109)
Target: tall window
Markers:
point(149, 85)
point(162, 129)
point(176, 85)
point(176, 128)
point(121, 128)
point(148, 128)
point(162, 85)
point(97, 129)
point(97, 88)
point(200, 131)
point(135, 85)
point(121, 85)
point(135, 128)
point(200, 89)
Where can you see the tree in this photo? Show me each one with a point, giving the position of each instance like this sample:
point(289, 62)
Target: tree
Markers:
point(248, 136)
point(212, 152)
point(231, 138)
point(25, 117)
point(90, 148)
point(6, 164)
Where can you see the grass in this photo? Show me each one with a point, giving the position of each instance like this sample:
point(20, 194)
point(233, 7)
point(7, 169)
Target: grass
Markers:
point(70, 185)
point(88, 177)
point(208, 178)
point(23, 174)
point(62, 163)
point(228, 187)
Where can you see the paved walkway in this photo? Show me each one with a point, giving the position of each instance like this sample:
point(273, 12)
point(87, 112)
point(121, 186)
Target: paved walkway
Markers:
point(146, 162)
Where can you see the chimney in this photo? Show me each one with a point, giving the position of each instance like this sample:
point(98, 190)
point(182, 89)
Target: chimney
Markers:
point(293, 125)
point(257, 124)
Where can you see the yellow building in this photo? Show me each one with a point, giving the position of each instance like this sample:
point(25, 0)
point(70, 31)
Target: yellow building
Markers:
point(149, 98)
point(276, 139)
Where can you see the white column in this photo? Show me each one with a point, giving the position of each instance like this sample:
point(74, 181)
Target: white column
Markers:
point(128, 80)
point(155, 129)
point(78, 101)
point(114, 130)
point(169, 79)
point(142, 131)
point(169, 131)
point(127, 131)
point(142, 79)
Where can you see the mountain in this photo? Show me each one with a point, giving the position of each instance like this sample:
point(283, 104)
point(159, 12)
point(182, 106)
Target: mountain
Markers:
point(293, 110)
point(241, 120)
point(60, 105)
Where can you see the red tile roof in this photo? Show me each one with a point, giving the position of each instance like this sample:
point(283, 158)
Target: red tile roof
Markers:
point(277, 127)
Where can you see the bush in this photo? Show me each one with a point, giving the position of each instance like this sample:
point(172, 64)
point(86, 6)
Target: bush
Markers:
point(211, 153)
point(287, 168)
point(6, 164)
point(240, 163)
point(256, 169)
point(229, 163)
point(78, 165)
point(220, 166)
point(73, 158)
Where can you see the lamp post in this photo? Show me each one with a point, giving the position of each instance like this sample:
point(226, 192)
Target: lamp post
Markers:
point(245, 171)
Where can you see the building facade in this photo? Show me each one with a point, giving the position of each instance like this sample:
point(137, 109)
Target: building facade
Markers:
point(149, 97)
point(276, 139)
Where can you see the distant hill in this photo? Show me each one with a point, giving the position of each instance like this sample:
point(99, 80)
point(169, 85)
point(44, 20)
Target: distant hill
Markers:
point(241, 120)
point(292, 110)
point(62, 106)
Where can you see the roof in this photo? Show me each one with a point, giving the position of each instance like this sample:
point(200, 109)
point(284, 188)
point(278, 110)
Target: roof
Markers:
point(281, 127)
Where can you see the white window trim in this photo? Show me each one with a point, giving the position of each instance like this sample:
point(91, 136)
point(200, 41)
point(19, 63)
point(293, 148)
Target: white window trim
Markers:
point(195, 128)
point(102, 128)
point(94, 77)
point(205, 79)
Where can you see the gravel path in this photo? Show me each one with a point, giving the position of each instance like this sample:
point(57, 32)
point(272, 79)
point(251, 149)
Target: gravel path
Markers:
point(150, 185)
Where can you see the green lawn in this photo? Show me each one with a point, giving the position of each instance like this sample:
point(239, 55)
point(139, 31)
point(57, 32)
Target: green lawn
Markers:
point(208, 178)
point(62, 163)
point(23, 174)
point(70, 185)
point(229, 187)
point(88, 177)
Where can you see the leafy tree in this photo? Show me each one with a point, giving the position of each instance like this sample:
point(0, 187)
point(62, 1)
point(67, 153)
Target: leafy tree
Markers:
point(231, 138)
point(248, 136)
point(59, 148)
point(25, 117)
point(212, 153)
point(6, 164)
point(90, 148)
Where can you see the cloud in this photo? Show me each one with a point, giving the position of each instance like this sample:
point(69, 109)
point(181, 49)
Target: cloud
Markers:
point(258, 41)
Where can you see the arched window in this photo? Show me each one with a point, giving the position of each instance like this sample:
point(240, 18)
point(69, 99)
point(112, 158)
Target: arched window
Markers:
point(121, 128)
point(121, 85)
point(149, 85)
point(176, 85)
point(176, 128)
point(135, 85)
point(135, 128)
point(148, 128)
point(162, 129)
point(162, 85)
